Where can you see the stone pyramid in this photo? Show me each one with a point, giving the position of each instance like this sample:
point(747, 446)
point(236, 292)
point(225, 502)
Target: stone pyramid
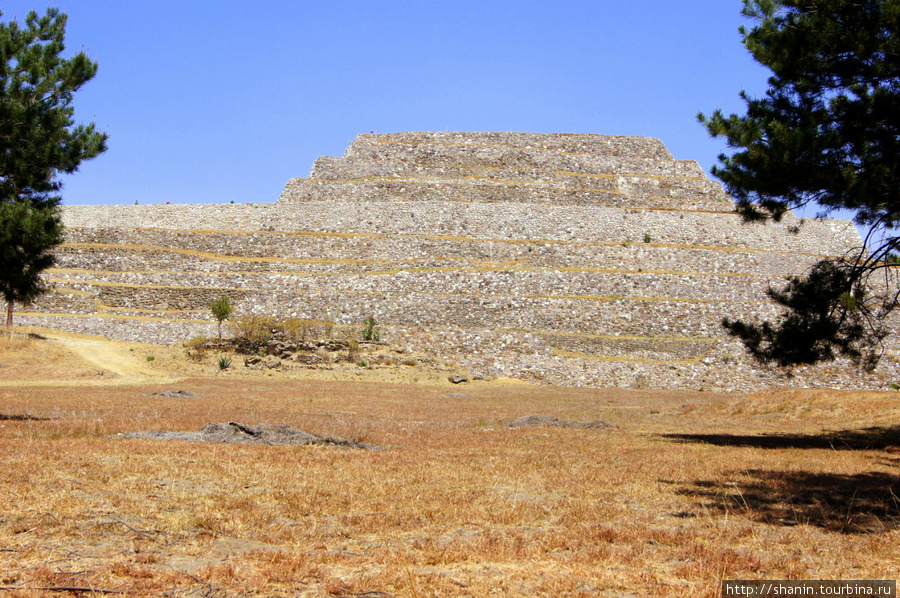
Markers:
point(584, 260)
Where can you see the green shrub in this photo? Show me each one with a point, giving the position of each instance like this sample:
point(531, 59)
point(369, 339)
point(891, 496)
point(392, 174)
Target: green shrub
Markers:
point(224, 362)
point(368, 332)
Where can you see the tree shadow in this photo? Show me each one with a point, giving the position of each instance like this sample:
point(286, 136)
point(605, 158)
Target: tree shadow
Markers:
point(848, 504)
point(875, 438)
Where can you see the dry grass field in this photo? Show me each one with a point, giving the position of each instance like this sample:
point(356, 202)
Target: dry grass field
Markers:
point(687, 490)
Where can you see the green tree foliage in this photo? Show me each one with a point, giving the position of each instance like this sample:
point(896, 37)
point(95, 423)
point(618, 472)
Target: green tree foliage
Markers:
point(221, 309)
point(27, 235)
point(38, 140)
point(820, 317)
point(826, 133)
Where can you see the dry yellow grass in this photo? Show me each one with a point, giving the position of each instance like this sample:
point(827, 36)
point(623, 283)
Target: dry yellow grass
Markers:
point(690, 489)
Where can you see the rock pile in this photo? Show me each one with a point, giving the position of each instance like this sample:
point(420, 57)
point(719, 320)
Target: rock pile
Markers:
point(237, 433)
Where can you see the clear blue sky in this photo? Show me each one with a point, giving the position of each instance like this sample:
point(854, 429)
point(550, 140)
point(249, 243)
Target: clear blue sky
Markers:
point(220, 101)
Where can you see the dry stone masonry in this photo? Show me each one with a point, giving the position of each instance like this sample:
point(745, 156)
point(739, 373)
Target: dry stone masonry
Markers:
point(582, 260)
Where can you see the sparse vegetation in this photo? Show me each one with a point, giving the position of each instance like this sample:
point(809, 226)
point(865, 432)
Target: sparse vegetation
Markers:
point(300, 329)
point(302, 340)
point(256, 330)
point(224, 362)
point(12, 341)
point(253, 332)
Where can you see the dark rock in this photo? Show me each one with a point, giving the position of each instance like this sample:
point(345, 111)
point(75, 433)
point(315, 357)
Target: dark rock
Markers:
point(458, 378)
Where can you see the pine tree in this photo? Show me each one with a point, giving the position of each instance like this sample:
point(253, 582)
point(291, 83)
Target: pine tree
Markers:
point(38, 140)
point(28, 234)
point(827, 134)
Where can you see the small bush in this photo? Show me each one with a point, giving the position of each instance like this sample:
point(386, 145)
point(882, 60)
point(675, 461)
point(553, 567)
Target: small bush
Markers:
point(647, 238)
point(150, 358)
point(292, 328)
point(224, 362)
point(196, 343)
point(327, 324)
point(368, 332)
point(256, 329)
point(195, 355)
point(299, 329)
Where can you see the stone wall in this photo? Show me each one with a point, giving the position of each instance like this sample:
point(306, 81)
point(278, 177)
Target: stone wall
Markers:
point(212, 252)
point(571, 259)
point(478, 221)
point(606, 145)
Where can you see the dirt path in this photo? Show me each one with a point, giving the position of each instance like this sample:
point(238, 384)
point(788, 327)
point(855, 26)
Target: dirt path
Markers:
point(70, 359)
point(116, 358)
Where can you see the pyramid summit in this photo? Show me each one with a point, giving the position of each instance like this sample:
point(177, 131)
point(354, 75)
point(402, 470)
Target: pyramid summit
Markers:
point(510, 167)
point(585, 260)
